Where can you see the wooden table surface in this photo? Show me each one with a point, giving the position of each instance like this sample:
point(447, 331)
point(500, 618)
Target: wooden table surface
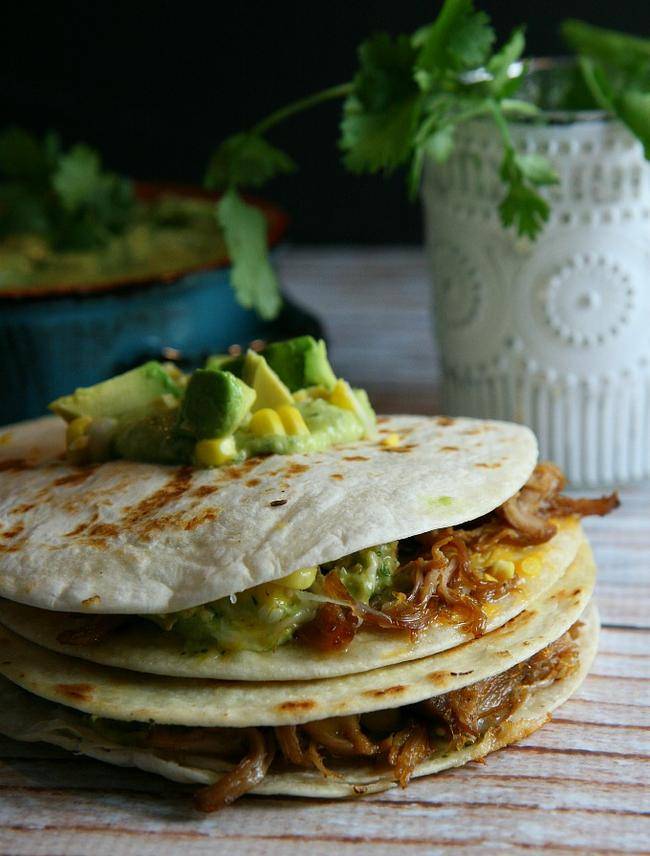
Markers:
point(581, 784)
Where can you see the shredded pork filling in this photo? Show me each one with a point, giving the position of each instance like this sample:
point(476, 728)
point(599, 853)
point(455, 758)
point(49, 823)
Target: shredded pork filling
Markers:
point(396, 740)
point(436, 579)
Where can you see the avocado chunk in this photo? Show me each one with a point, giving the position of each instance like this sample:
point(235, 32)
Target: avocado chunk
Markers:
point(154, 439)
point(301, 362)
point(270, 390)
point(226, 363)
point(127, 396)
point(215, 404)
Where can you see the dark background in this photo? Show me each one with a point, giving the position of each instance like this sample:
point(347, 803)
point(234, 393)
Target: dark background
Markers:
point(156, 85)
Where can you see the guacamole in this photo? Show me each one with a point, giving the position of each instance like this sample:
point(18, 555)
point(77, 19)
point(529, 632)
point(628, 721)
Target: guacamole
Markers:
point(166, 235)
point(268, 615)
point(232, 409)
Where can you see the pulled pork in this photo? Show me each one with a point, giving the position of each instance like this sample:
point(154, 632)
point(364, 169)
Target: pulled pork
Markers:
point(406, 738)
point(441, 582)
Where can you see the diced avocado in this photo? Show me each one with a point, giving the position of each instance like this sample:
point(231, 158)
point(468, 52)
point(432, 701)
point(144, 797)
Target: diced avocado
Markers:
point(271, 392)
point(127, 396)
point(215, 404)
point(226, 363)
point(301, 362)
point(154, 439)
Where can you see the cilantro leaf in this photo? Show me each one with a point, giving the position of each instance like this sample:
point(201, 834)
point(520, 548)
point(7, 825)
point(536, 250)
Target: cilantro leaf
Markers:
point(523, 207)
point(93, 204)
point(245, 233)
point(24, 158)
point(458, 40)
point(246, 160)
point(381, 113)
point(77, 177)
point(616, 69)
point(630, 54)
point(633, 108)
point(502, 85)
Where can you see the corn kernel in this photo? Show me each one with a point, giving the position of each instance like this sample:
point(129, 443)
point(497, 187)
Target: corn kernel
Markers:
point(342, 396)
point(214, 453)
point(503, 570)
point(530, 566)
point(272, 602)
point(77, 428)
point(391, 440)
point(300, 579)
point(266, 421)
point(292, 420)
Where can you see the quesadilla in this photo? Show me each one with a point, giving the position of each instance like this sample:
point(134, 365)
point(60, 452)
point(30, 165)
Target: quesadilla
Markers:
point(247, 556)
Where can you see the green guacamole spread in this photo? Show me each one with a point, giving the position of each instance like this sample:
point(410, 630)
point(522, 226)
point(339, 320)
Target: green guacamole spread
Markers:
point(167, 235)
point(268, 615)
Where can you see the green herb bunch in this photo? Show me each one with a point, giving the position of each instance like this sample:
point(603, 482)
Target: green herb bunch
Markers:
point(64, 196)
point(404, 104)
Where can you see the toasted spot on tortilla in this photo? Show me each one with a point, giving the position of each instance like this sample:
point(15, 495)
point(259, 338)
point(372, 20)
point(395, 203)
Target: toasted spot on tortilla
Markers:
point(75, 478)
point(400, 450)
point(8, 534)
point(23, 508)
point(205, 490)
point(253, 482)
point(13, 465)
point(494, 466)
point(91, 601)
point(295, 469)
point(398, 688)
point(103, 530)
point(238, 471)
point(382, 419)
point(176, 486)
point(274, 503)
point(448, 449)
point(437, 677)
point(576, 592)
point(81, 692)
point(5, 438)
point(297, 705)
point(444, 421)
point(337, 476)
point(204, 516)
point(356, 458)
point(81, 527)
point(460, 674)
point(360, 789)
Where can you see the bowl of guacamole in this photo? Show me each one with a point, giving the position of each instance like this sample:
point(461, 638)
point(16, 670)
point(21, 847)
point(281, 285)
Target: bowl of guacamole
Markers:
point(160, 286)
point(170, 232)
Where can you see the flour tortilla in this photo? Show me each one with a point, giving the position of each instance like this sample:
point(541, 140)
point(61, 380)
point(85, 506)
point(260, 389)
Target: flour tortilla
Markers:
point(125, 537)
point(118, 694)
point(145, 648)
point(26, 717)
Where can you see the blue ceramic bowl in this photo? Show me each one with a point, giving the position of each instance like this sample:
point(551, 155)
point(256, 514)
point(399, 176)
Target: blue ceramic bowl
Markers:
point(53, 341)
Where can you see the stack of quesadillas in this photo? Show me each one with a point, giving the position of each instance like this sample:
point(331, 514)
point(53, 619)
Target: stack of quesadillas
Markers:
point(322, 624)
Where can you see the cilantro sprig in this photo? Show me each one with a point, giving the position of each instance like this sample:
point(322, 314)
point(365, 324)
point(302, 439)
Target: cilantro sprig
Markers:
point(404, 105)
point(616, 69)
point(64, 196)
point(409, 95)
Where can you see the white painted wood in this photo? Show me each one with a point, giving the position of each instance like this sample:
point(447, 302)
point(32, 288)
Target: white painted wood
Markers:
point(579, 785)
